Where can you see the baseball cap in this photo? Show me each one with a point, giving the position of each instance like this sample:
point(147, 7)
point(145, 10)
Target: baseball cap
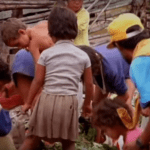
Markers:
point(118, 27)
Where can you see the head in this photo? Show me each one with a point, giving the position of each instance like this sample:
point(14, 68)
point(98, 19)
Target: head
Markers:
point(94, 58)
point(14, 33)
point(126, 32)
point(106, 117)
point(62, 24)
point(5, 76)
point(75, 5)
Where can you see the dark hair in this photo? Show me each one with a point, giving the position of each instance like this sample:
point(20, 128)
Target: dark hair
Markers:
point(10, 29)
point(94, 58)
point(131, 43)
point(105, 113)
point(62, 23)
point(4, 71)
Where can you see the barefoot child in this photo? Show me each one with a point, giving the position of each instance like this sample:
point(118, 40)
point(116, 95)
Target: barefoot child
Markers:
point(59, 69)
point(107, 117)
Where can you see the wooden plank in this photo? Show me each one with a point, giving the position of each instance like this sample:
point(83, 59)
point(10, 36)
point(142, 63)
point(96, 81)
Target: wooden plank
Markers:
point(113, 6)
point(42, 15)
point(12, 7)
point(98, 36)
point(43, 2)
point(100, 25)
point(117, 11)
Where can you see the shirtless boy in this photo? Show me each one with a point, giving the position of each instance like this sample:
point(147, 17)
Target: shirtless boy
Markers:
point(36, 39)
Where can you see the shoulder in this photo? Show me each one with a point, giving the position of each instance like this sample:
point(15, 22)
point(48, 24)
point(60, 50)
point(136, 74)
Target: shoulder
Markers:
point(39, 28)
point(140, 68)
point(108, 52)
point(82, 55)
point(143, 61)
point(41, 24)
point(81, 52)
point(83, 12)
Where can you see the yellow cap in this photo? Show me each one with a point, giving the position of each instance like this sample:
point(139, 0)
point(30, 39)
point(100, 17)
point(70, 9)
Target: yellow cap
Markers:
point(118, 27)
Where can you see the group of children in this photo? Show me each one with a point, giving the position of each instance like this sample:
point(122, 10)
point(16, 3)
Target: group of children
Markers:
point(50, 87)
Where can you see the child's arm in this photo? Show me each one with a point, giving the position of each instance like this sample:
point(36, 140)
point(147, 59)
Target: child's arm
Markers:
point(34, 49)
point(88, 82)
point(37, 83)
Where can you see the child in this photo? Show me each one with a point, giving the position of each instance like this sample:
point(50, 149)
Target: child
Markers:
point(107, 117)
point(11, 100)
point(6, 142)
point(55, 116)
point(23, 70)
point(16, 34)
point(83, 21)
point(110, 75)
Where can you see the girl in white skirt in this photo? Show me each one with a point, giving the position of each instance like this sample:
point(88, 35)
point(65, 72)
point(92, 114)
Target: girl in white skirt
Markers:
point(58, 71)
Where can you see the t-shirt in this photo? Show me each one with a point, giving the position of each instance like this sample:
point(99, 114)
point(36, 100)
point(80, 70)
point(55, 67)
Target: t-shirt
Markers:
point(116, 69)
point(140, 71)
point(65, 64)
point(83, 19)
point(133, 135)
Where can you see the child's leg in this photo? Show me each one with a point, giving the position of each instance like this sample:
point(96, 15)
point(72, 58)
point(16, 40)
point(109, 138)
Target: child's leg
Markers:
point(68, 145)
point(31, 143)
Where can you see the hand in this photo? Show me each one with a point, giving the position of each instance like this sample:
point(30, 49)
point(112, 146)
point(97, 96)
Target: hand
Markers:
point(26, 107)
point(145, 112)
point(87, 111)
point(131, 146)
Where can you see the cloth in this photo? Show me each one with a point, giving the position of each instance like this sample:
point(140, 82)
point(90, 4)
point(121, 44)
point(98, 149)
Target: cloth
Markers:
point(83, 19)
point(65, 64)
point(132, 135)
point(11, 102)
point(9, 98)
point(55, 116)
point(23, 63)
point(6, 143)
point(5, 122)
point(116, 70)
point(139, 71)
point(19, 125)
point(130, 123)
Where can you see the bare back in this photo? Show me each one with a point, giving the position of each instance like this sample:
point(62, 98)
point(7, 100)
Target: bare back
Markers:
point(40, 37)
